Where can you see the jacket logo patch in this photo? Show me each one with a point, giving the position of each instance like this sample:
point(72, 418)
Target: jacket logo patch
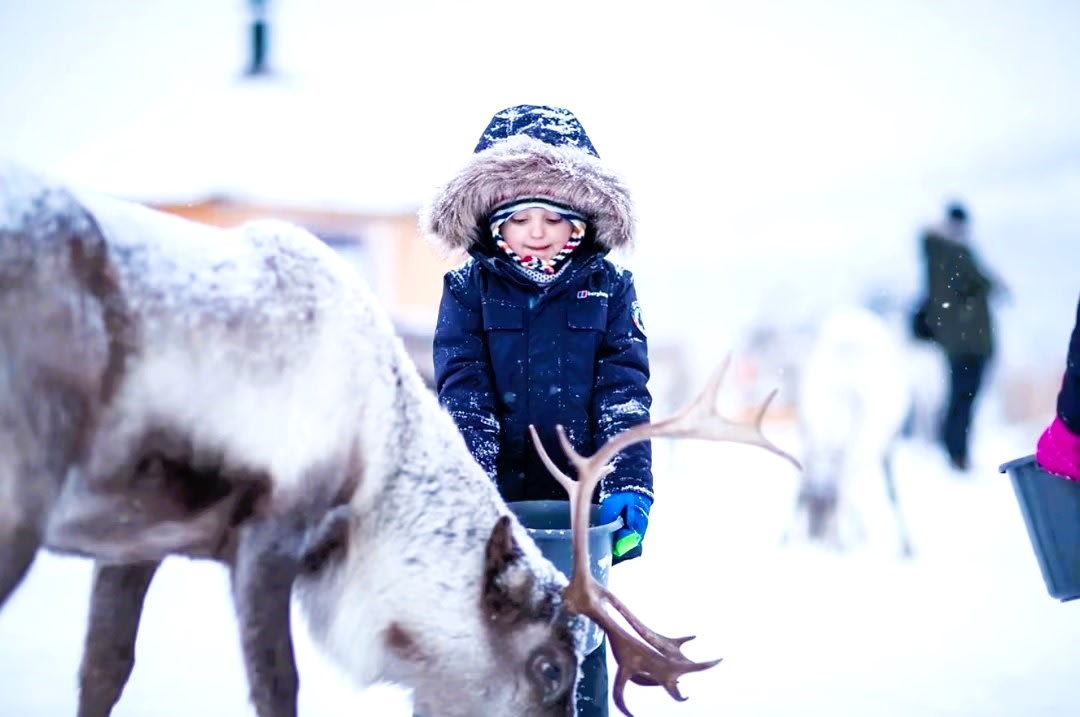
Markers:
point(635, 316)
point(586, 294)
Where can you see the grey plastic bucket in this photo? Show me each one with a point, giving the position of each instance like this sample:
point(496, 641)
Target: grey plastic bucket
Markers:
point(1051, 509)
point(548, 524)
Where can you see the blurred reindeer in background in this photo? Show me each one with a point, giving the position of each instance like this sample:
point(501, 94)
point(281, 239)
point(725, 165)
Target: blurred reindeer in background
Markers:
point(853, 401)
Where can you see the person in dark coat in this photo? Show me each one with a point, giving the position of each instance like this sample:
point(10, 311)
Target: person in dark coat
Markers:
point(959, 320)
point(540, 327)
point(1058, 449)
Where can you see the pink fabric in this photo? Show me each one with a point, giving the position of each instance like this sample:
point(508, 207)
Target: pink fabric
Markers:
point(1058, 451)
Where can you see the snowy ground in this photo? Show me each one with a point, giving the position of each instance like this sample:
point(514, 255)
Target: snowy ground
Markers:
point(965, 629)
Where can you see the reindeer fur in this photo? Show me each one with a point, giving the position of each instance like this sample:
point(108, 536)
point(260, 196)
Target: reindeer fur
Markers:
point(171, 388)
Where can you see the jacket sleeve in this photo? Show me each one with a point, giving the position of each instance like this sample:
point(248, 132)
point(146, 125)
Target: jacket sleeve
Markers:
point(463, 377)
point(1068, 403)
point(621, 397)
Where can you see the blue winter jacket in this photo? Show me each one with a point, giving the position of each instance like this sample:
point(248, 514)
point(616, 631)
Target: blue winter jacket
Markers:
point(1068, 404)
point(509, 352)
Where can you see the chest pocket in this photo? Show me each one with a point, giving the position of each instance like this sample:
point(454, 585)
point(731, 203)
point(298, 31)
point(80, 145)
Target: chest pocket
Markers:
point(503, 317)
point(504, 330)
point(588, 314)
point(586, 320)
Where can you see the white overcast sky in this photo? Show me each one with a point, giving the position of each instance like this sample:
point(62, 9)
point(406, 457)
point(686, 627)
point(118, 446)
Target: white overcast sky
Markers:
point(775, 139)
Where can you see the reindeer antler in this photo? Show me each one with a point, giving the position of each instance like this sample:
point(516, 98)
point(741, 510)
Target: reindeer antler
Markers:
point(655, 659)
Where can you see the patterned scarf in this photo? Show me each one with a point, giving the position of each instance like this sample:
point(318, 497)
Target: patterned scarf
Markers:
point(546, 266)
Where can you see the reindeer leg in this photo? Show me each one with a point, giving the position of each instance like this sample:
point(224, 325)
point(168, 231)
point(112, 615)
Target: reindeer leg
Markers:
point(20, 522)
point(890, 487)
point(262, 579)
point(19, 542)
point(116, 602)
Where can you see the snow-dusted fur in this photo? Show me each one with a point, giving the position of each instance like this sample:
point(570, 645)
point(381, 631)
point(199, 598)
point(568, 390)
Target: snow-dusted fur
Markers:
point(854, 397)
point(522, 166)
point(171, 388)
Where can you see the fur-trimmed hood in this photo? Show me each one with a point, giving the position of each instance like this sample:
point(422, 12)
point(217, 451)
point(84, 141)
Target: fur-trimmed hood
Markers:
point(522, 165)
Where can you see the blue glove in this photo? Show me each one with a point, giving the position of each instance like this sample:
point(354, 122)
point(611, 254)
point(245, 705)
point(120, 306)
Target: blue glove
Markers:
point(633, 508)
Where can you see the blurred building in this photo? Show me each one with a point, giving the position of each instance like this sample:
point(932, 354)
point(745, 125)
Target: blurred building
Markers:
point(258, 144)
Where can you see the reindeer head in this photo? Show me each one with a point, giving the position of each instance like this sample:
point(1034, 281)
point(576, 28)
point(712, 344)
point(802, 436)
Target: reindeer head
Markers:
point(820, 485)
point(476, 620)
point(472, 632)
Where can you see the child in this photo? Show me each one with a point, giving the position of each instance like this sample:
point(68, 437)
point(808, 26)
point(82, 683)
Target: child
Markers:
point(538, 327)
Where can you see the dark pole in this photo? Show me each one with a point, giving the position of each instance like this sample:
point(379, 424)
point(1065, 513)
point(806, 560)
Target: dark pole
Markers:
point(260, 39)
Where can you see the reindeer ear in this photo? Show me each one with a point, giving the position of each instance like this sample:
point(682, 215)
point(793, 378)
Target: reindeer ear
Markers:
point(507, 581)
point(327, 541)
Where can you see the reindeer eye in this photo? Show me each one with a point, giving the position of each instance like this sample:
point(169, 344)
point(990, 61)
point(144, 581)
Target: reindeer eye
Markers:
point(549, 674)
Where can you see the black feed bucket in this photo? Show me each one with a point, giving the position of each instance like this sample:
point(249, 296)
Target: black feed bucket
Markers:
point(548, 524)
point(1051, 510)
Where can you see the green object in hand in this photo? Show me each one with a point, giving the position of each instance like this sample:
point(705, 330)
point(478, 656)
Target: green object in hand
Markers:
point(626, 543)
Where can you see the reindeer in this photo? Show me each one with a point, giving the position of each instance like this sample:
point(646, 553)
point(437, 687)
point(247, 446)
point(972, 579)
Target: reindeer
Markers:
point(854, 398)
point(168, 388)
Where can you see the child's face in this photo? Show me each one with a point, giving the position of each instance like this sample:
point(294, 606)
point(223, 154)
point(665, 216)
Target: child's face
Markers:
point(536, 232)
